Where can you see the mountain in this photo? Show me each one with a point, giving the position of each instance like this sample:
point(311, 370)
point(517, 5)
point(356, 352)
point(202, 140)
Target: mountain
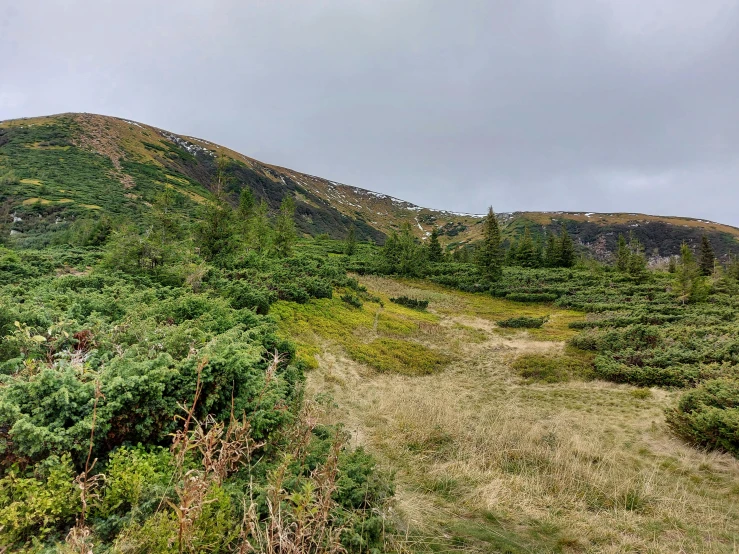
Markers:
point(60, 168)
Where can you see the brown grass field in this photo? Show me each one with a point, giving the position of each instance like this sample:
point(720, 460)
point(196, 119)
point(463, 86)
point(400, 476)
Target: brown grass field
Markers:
point(486, 460)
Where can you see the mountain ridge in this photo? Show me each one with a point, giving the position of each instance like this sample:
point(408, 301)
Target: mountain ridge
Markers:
point(74, 165)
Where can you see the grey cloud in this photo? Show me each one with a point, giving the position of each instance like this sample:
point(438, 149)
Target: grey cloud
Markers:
point(527, 105)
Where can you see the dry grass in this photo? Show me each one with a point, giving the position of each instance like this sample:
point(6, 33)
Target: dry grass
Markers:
point(486, 462)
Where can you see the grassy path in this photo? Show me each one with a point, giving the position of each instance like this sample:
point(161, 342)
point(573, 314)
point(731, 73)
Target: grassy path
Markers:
point(489, 461)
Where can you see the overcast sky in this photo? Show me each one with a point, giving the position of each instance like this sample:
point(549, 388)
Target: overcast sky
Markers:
point(587, 105)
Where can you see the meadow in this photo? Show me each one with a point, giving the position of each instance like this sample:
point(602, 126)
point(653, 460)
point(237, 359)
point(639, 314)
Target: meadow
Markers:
point(516, 444)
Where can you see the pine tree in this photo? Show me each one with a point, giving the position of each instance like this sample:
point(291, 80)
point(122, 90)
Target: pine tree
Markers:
point(637, 262)
point(566, 249)
point(732, 268)
point(622, 255)
point(551, 251)
point(285, 232)
point(350, 248)
point(511, 254)
point(490, 257)
point(391, 253)
point(687, 274)
point(5, 222)
point(246, 203)
point(214, 234)
point(261, 235)
point(412, 257)
point(528, 255)
point(707, 258)
point(435, 253)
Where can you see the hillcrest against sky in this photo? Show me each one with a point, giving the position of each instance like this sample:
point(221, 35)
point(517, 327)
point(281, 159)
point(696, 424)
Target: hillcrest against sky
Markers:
point(565, 105)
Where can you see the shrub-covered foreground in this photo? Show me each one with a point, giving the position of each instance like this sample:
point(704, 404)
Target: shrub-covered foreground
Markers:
point(150, 412)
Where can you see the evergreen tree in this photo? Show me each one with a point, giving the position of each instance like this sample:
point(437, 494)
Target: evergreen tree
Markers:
point(551, 251)
point(412, 256)
point(435, 253)
point(732, 267)
point(165, 222)
point(214, 233)
point(350, 248)
point(285, 231)
point(528, 255)
point(261, 235)
point(511, 254)
point(245, 214)
point(5, 221)
point(391, 253)
point(687, 274)
point(566, 249)
point(707, 259)
point(462, 255)
point(490, 256)
point(672, 265)
point(246, 204)
point(622, 255)
point(637, 262)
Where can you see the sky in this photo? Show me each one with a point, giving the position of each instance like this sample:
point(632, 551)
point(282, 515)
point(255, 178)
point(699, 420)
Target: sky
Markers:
point(573, 105)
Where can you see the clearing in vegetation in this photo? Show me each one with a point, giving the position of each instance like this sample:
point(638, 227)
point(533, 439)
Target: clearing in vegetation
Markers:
point(511, 446)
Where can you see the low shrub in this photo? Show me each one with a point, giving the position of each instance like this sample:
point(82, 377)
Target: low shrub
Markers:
point(708, 415)
point(531, 296)
point(523, 322)
point(352, 300)
point(410, 302)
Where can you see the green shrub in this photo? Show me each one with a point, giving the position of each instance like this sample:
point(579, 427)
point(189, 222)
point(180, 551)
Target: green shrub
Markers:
point(531, 296)
point(37, 503)
point(410, 302)
point(352, 300)
point(523, 322)
point(708, 415)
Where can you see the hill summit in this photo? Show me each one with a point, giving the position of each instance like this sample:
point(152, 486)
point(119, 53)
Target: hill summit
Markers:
point(56, 169)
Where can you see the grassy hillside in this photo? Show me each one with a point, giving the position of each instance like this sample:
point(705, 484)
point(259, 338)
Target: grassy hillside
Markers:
point(59, 169)
point(210, 382)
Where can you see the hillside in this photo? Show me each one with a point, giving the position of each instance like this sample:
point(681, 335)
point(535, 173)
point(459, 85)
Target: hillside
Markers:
point(60, 168)
point(176, 379)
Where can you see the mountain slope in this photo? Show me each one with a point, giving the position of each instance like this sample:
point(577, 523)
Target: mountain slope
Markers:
point(59, 168)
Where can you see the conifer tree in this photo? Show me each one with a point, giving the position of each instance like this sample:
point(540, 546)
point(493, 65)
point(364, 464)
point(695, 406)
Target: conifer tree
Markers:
point(622, 255)
point(566, 249)
point(5, 221)
point(246, 203)
point(435, 253)
point(637, 262)
point(551, 251)
point(391, 253)
point(707, 259)
point(214, 233)
point(528, 255)
point(687, 274)
point(260, 231)
point(285, 232)
point(511, 254)
point(732, 268)
point(412, 256)
point(490, 257)
point(350, 248)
